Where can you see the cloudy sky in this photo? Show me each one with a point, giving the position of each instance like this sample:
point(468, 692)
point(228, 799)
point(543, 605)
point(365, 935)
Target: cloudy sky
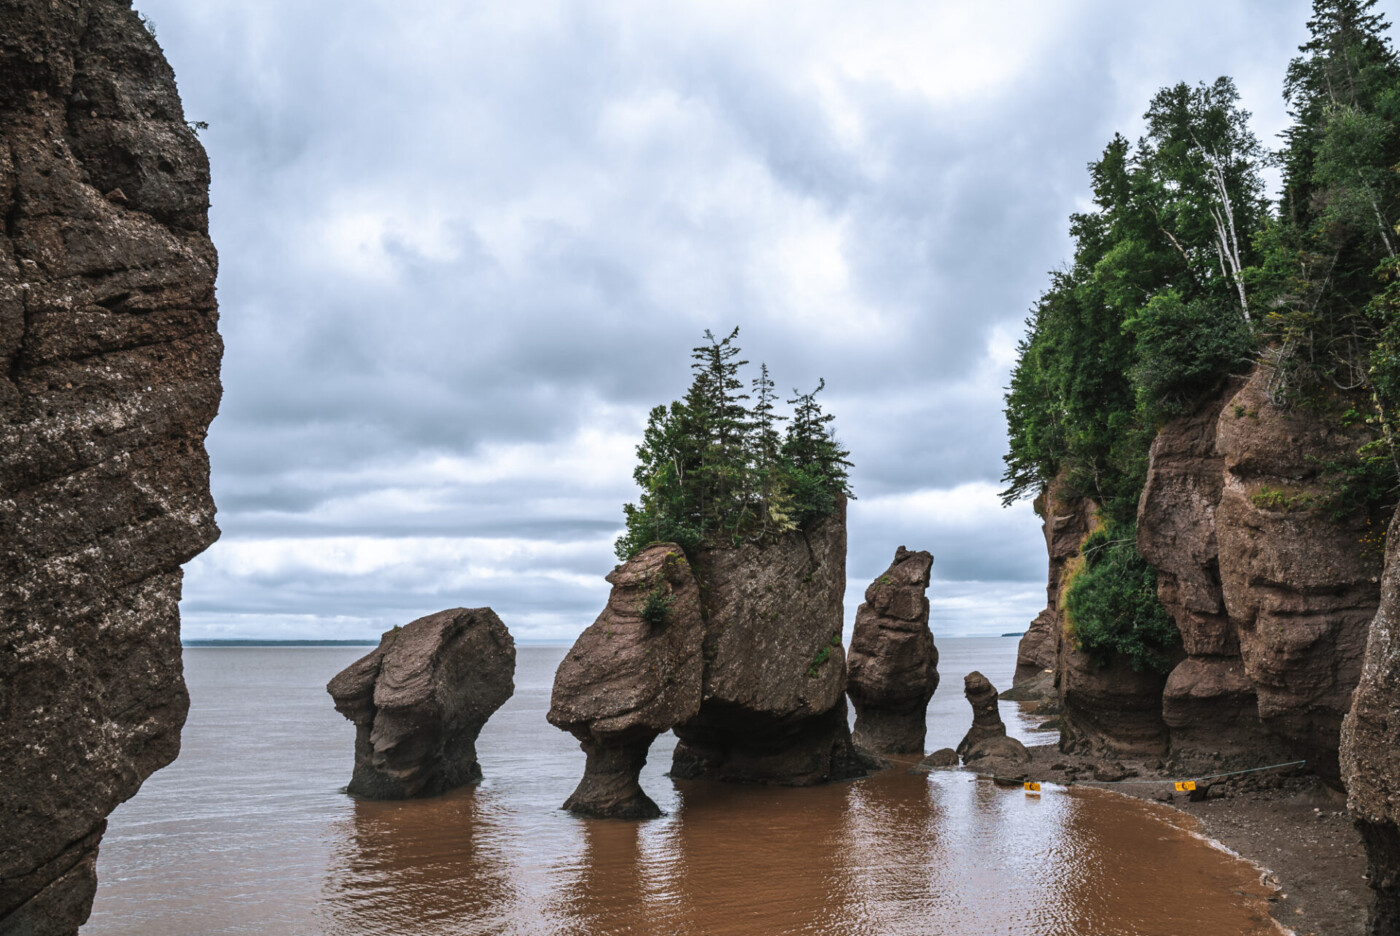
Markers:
point(465, 247)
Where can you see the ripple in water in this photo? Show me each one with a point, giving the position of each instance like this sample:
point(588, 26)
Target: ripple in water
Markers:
point(249, 832)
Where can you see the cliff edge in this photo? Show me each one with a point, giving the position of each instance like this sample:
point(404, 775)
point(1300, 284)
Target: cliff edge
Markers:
point(109, 378)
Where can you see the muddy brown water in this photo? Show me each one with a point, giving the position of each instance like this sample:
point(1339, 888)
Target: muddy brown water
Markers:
point(249, 832)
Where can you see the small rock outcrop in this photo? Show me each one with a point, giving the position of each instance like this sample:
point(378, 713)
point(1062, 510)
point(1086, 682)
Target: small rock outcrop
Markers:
point(420, 699)
point(1370, 748)
point(634, 673)
point(109, 378)
point(986, 717)
point(892, 666)
point(773, 703)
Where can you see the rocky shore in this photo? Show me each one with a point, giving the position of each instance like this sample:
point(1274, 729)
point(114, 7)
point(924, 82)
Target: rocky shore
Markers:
point(1291, 824)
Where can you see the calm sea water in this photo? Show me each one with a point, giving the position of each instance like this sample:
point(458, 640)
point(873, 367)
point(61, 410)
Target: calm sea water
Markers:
point(249, 832)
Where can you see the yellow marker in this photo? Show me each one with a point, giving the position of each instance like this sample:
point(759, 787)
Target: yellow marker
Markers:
point(1032, 787)
point(1185, 786)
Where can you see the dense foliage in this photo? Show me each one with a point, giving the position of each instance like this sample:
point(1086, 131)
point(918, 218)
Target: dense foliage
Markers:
point(1112, 605)
point(715, 470)
point(1184, 274)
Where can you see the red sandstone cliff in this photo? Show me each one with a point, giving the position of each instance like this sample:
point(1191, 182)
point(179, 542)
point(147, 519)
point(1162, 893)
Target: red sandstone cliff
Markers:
point(109, 377)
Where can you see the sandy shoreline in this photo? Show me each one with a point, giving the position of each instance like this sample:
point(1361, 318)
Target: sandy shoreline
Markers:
point(1293, 826)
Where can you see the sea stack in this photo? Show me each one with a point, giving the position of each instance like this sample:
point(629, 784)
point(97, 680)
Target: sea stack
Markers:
point(633, 674)
point(109, 377)
point(773, 705)
point(1370, 747)
point(892, 667)
point(420, 699)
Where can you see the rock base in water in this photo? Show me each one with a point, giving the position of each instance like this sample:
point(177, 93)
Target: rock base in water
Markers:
point(420, 699)
point(634, 673)
point(610, 788)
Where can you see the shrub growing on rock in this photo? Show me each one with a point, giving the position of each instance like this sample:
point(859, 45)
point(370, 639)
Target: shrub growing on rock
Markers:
point(1112, 606)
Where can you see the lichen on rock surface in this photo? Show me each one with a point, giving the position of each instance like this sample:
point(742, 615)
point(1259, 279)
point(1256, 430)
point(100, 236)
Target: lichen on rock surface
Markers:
point(634, 673)
point(109, 378)
point(420, 699)
point(892, 666)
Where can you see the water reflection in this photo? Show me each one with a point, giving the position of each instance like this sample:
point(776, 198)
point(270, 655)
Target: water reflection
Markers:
point(225, 841)
point(425, 866)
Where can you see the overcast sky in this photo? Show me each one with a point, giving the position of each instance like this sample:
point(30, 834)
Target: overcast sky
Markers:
point(465, 247)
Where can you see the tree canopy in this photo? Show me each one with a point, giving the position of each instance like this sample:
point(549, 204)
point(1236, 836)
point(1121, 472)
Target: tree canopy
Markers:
point(1184, 273)
point(715, 469)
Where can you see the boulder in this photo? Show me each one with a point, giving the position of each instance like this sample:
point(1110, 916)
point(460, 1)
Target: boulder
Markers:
point(941, 758)
point(892, 666)
point(773, 704)
point(109, 377)
point(999, 748)
point(633, 674)
point(420, 699)
point(986, 718)
point(1370, 747)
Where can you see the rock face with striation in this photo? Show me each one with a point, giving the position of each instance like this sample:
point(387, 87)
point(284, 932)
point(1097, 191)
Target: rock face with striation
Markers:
point(109, 378)
point(634, 673)
point(892, 667)
point(773, 703)
point(1065, 520)
point(1272, 596)
point(420, 699)
point(1370, 747)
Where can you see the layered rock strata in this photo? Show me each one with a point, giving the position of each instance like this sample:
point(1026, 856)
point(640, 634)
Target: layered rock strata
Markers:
point(634, 673)
point(773, 704)
point(1272, 595)
point(420, 699)
point(892, 666)
point(1370, 748)
point(109, 378)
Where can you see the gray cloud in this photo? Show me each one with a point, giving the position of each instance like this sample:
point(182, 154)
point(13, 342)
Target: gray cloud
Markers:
point(463, 250)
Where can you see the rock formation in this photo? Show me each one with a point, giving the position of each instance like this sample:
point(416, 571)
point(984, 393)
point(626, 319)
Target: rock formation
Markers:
point(986, 745)
point(1110, 710)
point(1066, 521)
point(1370, 748)
point(109, 377)
point(1106, 710)
point(633, 674)
point(1272, 596)
point(420, 699)
point(986, 717)
point(773, 704)
point(892, 667)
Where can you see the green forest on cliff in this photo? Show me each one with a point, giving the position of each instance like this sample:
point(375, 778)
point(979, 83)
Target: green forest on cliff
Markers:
point(714, 468)
point(1186, 273)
